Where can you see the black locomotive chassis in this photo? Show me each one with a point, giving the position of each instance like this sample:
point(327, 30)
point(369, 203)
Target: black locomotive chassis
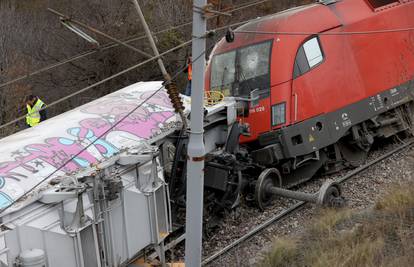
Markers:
point(310, 136)
point(302, 149)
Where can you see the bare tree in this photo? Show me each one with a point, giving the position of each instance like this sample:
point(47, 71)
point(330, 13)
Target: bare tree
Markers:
point(32, 38)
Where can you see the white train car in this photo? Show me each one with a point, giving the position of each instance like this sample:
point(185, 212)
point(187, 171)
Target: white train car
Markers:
point(103, 206)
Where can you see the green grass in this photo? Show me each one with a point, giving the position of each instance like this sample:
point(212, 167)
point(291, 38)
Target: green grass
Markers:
point(382, 236)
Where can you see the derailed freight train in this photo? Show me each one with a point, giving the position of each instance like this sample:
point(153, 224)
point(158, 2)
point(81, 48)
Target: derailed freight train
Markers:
point(305, 90)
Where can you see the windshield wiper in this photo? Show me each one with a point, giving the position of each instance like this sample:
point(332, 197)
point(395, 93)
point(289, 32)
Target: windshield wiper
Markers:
point(222, 79)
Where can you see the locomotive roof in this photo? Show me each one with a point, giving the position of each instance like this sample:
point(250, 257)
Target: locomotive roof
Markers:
point(319, 16)
point(298, 19)
point(314, 17)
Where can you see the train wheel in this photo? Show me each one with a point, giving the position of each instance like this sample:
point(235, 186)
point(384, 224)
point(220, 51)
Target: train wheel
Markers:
point(352, 154)
point(330, 195)
point(268, 178)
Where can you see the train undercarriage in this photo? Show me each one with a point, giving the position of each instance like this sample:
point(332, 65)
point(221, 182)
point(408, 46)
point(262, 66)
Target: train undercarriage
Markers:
point(234, 172)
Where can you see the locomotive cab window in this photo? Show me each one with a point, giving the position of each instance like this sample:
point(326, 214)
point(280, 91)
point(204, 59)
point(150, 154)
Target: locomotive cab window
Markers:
point(309, 56)
point(238, 72)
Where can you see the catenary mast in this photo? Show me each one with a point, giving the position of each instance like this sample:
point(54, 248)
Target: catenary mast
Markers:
point(196, 150)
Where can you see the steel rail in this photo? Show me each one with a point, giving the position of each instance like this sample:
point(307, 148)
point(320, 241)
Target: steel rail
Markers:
point(300, 204)
point(375, 161)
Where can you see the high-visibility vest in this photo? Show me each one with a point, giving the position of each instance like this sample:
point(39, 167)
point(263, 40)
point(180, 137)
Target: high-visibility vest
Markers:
point(33, 114)
point(190, 72)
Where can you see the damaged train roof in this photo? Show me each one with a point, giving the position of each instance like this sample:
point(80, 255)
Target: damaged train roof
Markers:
point(89, 134)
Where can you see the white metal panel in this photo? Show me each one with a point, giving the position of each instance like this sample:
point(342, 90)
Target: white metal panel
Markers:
point(3, 250)
point(119, 239)
point(12, 244)
point(60, 250)
point(29, 238)
point(137, 220)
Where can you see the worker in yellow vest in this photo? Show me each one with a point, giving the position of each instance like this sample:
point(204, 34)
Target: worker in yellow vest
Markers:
point(34, 114)
point(189, 71)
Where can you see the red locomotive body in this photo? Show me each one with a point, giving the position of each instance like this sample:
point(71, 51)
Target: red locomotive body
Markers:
point(331, 78)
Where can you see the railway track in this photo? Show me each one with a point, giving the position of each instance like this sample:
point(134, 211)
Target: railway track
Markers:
point(296, 207)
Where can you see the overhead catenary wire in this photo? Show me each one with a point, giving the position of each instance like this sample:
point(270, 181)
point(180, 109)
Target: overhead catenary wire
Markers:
point(98, 137)
point(79, 56)
point(99, 83)
point(112, 45)
point(113, 76)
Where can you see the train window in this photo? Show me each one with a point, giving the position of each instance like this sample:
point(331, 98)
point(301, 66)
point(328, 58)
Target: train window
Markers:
point(224, 69)
point(241, 71)
point(309, 55)
point(313, 52)
point(279, 114)
point(254, 61)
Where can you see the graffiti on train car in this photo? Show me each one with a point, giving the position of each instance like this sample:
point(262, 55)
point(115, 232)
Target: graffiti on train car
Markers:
point(38, 160)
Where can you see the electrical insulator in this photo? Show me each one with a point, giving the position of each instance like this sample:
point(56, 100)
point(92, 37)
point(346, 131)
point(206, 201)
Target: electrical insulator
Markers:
point(175, 98)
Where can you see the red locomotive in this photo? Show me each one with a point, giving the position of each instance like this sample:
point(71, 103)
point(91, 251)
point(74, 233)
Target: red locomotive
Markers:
point(331, 77)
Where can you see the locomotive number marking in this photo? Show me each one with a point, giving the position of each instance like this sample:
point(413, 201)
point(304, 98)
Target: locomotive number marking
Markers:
point(346, 121)
point(257, 109)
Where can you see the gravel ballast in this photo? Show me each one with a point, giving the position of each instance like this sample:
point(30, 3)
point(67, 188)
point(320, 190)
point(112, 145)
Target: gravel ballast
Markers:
point(361, 192)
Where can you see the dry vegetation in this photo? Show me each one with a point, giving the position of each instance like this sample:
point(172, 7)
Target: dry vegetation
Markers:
point(381, 236)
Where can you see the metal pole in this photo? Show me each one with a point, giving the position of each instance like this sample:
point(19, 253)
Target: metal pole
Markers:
point(196, 150)
point(148, 33)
